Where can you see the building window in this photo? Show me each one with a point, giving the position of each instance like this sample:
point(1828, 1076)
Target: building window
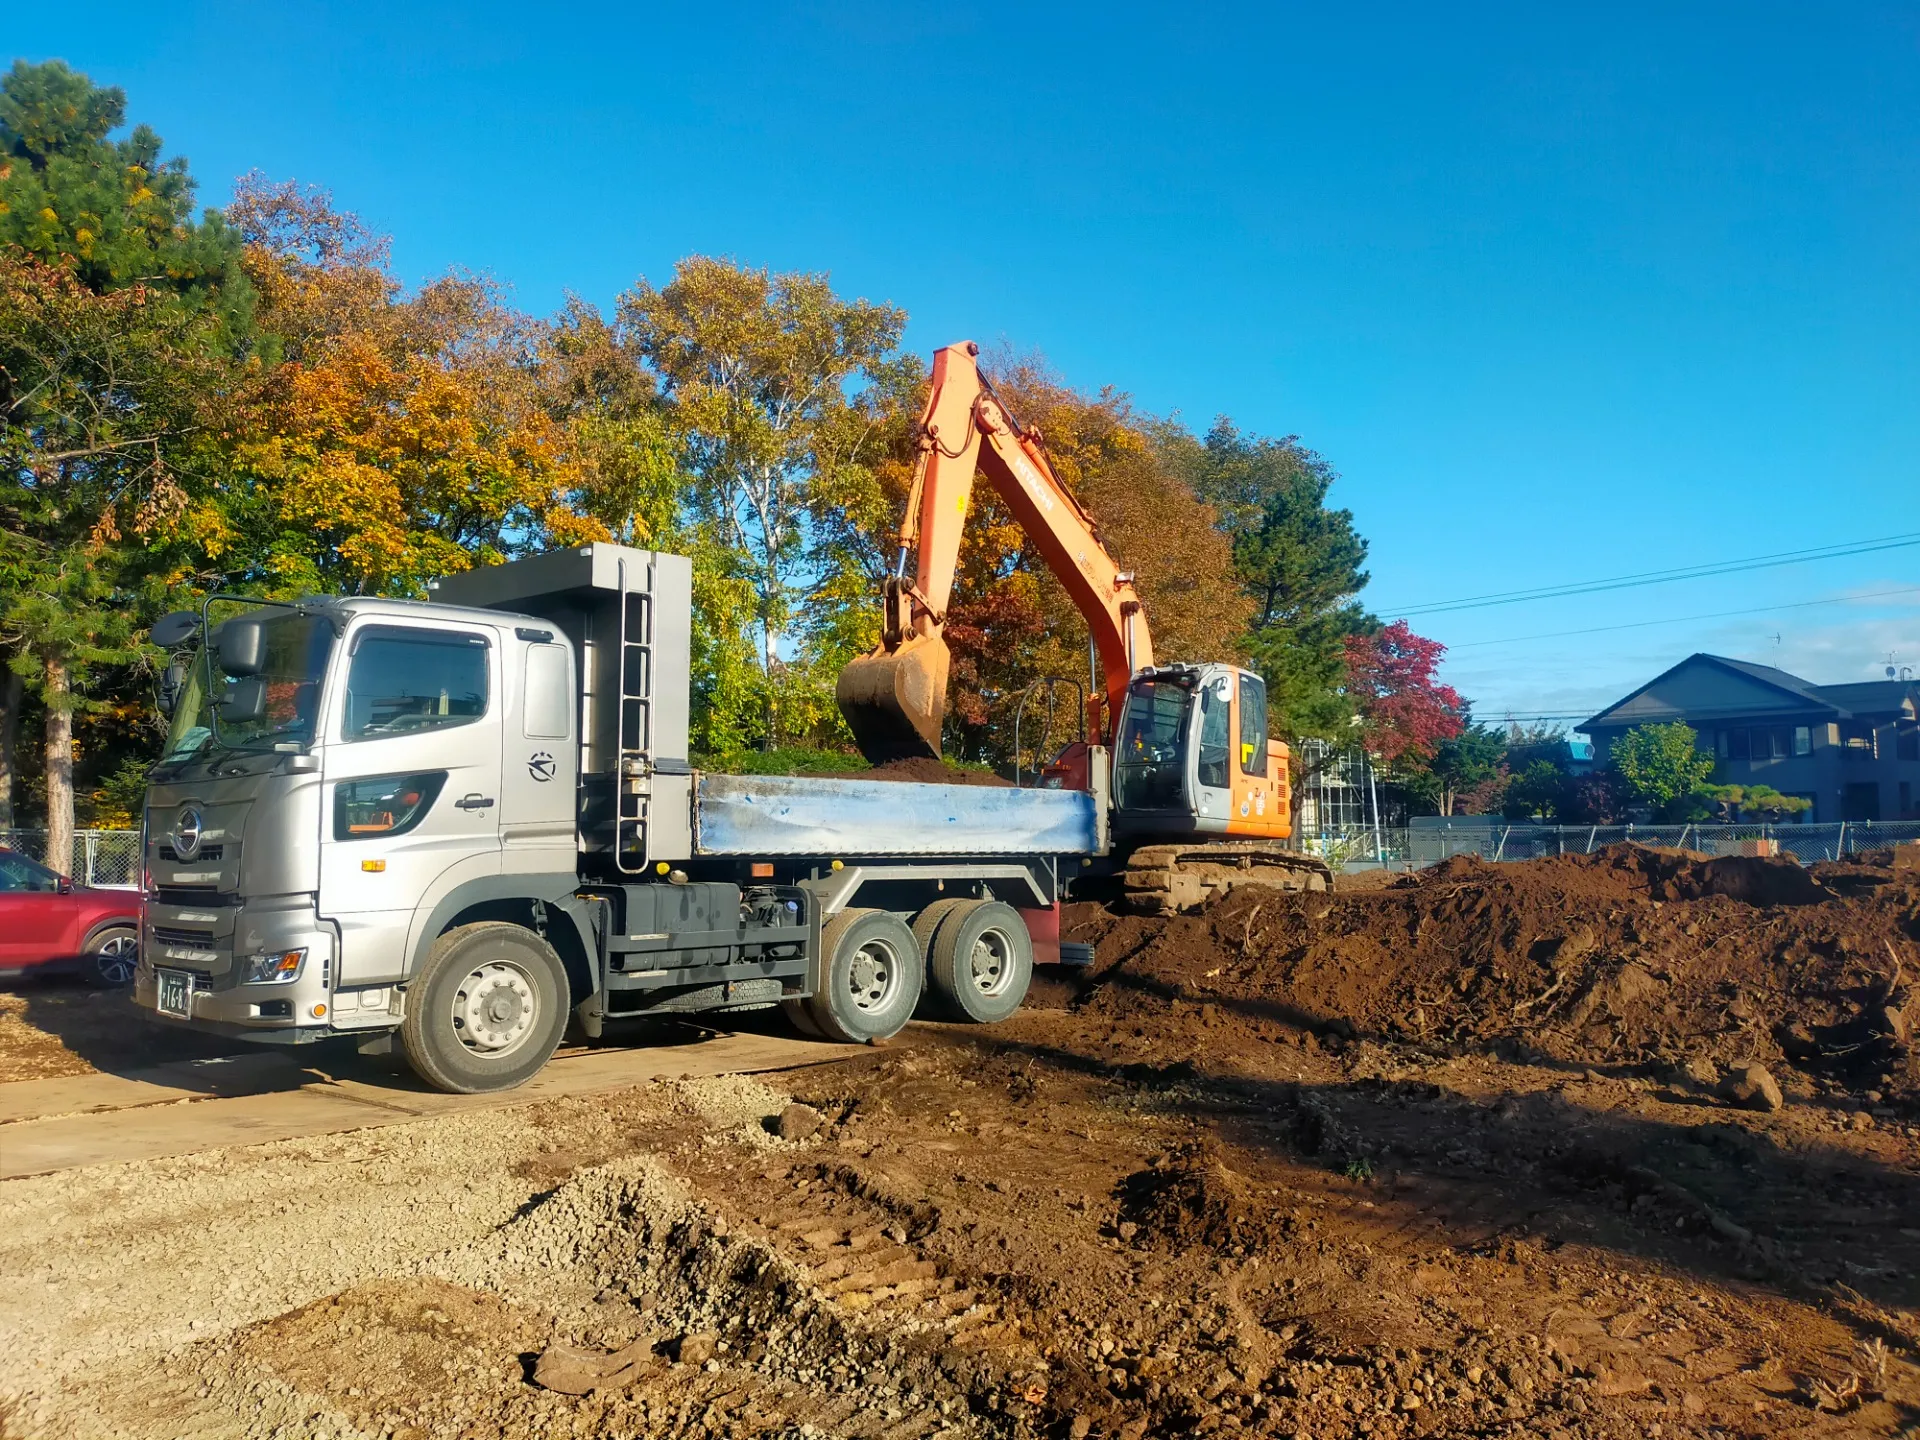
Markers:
point(1758, 744)
point(1906, 800)
point(1857, 741)
point(1906, 743)
point(1860, 801)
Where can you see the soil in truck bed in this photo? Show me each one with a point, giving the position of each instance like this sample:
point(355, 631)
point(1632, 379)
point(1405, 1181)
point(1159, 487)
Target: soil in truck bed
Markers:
point(1478, 1153)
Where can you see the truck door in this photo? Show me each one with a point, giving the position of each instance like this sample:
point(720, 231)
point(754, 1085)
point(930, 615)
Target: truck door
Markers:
point(539, 780)
point(412, 773)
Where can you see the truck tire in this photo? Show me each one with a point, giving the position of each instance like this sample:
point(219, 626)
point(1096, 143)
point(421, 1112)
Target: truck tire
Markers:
point(871, 977)
point(926, 925)
point(981, 963)
point(799, 1017)
point(487, 1009)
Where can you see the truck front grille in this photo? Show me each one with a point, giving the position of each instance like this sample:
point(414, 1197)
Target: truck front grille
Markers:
point(191, 895)
point(191, 939)
point(208, 853)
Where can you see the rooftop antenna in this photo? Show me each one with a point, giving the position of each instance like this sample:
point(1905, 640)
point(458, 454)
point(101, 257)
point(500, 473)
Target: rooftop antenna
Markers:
point(1776, 637)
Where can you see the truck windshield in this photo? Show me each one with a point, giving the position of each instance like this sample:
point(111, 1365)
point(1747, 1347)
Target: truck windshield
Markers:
point(297, 649)
point(1149, 771)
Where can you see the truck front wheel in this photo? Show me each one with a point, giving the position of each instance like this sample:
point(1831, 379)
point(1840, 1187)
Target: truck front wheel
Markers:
point(871, 974)
point(982, 962)
point(486, 1010)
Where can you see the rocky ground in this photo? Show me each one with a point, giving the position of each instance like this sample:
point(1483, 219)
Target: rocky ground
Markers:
point(1621, 1147)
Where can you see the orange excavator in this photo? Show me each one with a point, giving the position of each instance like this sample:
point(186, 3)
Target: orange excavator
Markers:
point(1192, 791)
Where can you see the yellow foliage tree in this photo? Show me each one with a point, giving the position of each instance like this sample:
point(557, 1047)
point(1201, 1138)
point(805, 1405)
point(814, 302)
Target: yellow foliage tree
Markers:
point(401, 437)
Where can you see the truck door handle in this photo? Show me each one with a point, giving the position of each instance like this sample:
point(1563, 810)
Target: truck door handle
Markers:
point(474, 802)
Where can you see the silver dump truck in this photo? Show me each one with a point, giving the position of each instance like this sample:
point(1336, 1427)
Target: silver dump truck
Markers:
point(464, 822)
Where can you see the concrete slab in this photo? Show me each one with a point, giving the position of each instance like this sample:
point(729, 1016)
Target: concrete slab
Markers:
point(157, 1126)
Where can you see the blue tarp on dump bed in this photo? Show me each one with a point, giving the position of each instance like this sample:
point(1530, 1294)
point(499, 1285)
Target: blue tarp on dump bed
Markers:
point(797, 815)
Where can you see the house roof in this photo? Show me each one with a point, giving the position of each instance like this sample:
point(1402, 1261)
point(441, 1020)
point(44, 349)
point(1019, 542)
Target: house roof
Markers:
point(1771, 676)
point(1790, 685)
point(1873, 697)
point(1841, 702)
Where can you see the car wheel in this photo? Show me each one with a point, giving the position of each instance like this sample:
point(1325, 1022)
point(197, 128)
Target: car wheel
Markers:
point(112, 954)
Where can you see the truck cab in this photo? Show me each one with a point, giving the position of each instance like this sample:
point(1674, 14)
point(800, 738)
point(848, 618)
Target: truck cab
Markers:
point(338, 773)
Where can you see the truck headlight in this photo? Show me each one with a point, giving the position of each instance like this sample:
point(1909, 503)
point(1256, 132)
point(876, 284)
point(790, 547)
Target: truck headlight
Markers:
point(280, 968)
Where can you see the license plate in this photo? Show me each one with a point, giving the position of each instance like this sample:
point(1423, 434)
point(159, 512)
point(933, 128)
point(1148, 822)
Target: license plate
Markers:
point(175, 994)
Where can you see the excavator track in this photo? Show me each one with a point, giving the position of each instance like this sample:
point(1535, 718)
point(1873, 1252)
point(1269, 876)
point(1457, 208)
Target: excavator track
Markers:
point(1167, 879)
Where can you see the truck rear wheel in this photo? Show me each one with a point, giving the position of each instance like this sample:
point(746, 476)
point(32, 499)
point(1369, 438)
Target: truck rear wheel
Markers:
point(982, 962)
point(871, 976)
point(486, 1010)
point(926, 925)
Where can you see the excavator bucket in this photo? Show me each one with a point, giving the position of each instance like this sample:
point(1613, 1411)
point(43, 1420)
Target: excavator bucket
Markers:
point(894, 703)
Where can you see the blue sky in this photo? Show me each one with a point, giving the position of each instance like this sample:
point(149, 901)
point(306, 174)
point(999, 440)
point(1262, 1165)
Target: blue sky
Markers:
point(1563, 294)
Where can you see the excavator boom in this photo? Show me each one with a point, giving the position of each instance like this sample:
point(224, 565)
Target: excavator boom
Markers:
point(894, 699)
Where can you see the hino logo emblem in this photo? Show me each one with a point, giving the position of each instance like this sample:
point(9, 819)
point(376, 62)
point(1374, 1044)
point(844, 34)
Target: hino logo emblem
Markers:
point(187, 828)
point(541, 767)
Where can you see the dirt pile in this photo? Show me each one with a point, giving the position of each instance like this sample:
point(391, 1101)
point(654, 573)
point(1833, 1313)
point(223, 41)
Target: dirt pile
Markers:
point(925, 771)
point(1629, 956)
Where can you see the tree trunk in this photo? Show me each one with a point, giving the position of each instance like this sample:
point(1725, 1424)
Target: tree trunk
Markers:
point(59, 767)
point(12, 692)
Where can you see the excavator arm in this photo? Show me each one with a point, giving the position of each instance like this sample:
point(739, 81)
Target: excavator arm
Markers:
point(894, 700)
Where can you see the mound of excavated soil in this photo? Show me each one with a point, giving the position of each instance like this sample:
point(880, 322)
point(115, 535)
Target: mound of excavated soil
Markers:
point(924, 771)
point(1626, 956)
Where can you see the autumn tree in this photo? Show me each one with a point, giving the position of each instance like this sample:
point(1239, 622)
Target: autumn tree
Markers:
point(402, 436)
point(1392, 680)
point(769, 382)
point(120, 314)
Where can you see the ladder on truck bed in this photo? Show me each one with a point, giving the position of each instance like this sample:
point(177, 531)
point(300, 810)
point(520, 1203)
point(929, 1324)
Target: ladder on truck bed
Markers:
point(633, 767)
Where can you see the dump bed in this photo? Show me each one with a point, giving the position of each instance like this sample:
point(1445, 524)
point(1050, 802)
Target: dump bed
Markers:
point(798, 815)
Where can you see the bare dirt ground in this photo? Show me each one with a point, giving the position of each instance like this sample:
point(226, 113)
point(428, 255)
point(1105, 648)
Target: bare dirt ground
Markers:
point(1476, 1153)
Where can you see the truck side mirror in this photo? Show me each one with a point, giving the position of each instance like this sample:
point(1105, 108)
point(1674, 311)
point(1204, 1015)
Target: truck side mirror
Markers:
point(245, 702)
point(243, 646)
point(170, 632)
point(171, 681)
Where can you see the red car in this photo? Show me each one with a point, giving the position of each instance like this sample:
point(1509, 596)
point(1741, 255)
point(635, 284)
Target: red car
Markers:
point(48, 924)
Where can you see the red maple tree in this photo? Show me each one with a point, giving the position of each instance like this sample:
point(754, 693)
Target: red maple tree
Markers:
point(1404, 711)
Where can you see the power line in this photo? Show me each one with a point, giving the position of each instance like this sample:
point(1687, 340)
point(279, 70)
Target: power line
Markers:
point(1661, 577)
point(1682, 619)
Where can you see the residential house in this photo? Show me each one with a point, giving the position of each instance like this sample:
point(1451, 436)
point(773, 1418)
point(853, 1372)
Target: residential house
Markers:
point(1853, 750)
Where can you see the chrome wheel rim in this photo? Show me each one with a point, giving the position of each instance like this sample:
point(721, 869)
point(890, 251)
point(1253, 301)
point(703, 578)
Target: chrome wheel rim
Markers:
point(494, 1009)
point(873, 976)
point(991, 963)
point(115, 961)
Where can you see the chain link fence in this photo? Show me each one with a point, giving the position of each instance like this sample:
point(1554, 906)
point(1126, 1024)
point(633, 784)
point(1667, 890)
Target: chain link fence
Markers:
point(107, 859)
point(1497, 840)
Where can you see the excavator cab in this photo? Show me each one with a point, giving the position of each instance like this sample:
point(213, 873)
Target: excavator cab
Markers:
point(1193, 755)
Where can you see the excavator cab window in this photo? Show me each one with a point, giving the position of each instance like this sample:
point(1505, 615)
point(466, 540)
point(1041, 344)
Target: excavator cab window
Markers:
point(1216, 720)
point(1253, 724)
point(1149, 770)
